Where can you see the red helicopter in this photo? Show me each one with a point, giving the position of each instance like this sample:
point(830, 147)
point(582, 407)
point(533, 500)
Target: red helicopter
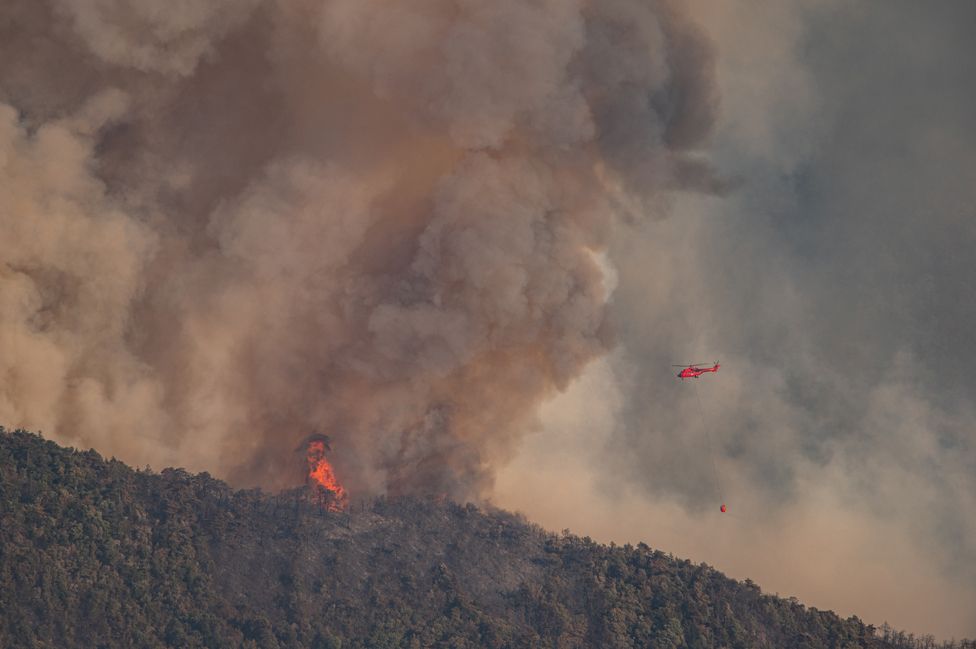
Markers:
point(692, 371)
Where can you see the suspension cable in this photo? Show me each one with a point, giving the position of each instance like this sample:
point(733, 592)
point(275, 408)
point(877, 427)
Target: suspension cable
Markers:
point(716, 484)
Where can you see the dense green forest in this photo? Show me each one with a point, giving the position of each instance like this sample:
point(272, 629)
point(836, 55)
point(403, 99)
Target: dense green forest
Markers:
point(96, 554)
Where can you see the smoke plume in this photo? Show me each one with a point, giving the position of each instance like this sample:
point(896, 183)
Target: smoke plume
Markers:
point(232, 223)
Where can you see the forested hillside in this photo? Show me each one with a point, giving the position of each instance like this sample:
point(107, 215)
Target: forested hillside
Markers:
point(95, 554)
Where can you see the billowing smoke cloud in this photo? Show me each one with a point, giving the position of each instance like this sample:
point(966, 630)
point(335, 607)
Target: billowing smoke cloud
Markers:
point(229, 224)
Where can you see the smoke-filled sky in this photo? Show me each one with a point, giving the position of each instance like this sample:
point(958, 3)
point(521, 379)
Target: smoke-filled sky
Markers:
point(836, 285)
point(468, 239)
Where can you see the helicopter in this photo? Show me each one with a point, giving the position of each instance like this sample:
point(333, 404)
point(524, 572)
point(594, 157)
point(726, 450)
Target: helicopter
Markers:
point(693, 371)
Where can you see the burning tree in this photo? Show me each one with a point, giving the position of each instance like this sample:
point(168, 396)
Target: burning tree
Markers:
point(324, 487)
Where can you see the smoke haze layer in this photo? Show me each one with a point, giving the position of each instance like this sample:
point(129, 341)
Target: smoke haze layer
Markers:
point(231, 223)
point(836, 287)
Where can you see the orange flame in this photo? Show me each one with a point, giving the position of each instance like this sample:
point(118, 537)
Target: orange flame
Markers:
point(321, 477)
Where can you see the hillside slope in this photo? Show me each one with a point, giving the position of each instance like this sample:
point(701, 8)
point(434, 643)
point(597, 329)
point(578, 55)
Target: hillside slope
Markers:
point(95, 554)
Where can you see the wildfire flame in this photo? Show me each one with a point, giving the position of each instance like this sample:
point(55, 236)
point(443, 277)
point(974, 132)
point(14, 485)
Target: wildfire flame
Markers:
point(322, 479)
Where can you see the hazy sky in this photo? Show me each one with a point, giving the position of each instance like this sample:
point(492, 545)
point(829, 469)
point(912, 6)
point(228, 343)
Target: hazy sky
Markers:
point(836, 285)
point(467, 240)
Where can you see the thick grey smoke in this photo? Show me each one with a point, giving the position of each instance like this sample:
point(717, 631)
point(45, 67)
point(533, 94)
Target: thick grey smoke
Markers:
point(836, 285)
point(230, 223)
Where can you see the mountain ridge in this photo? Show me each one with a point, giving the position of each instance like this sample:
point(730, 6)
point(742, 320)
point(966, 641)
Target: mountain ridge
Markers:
point(96, 554)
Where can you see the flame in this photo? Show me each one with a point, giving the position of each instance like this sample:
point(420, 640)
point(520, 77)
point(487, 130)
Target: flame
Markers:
point(322, 479)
